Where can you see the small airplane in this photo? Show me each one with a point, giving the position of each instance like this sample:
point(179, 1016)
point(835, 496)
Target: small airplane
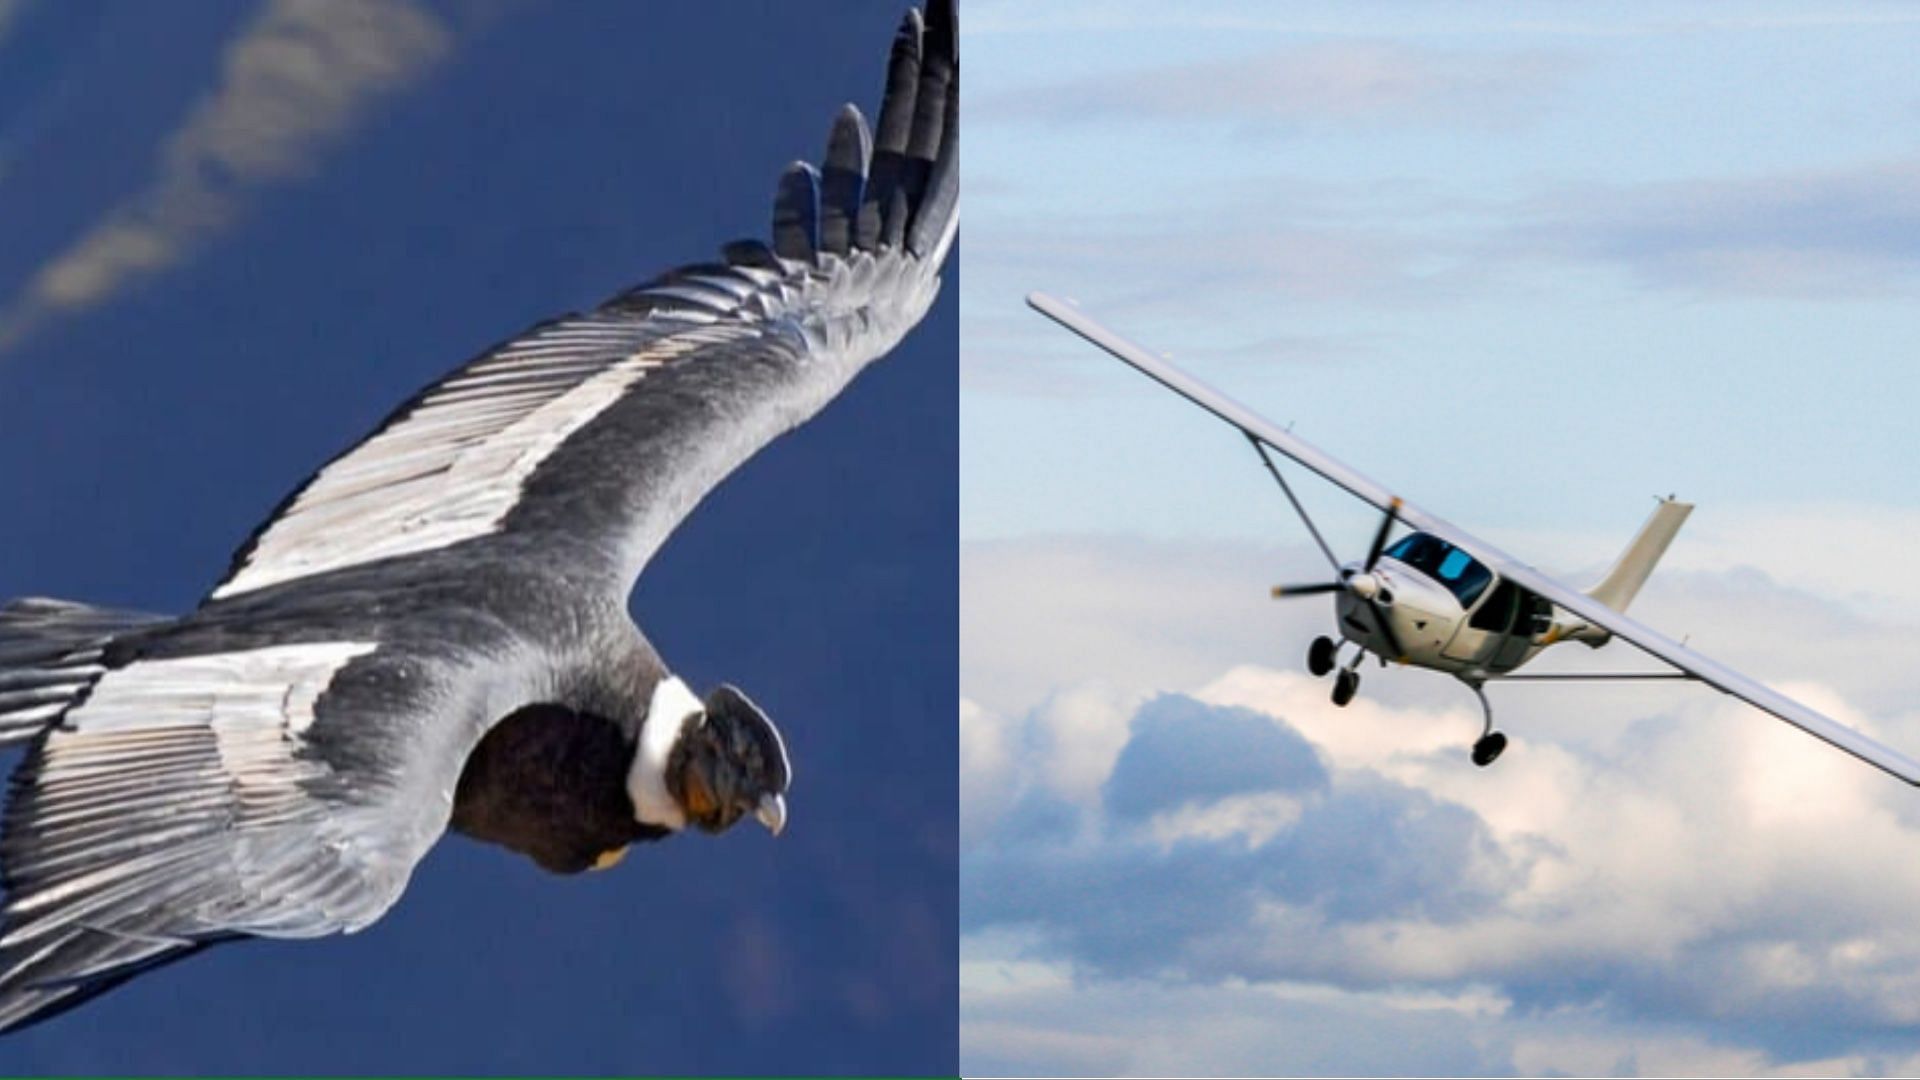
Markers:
point(1439, 598)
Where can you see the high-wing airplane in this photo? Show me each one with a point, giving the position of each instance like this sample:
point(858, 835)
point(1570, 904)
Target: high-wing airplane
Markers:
point(1440, 598)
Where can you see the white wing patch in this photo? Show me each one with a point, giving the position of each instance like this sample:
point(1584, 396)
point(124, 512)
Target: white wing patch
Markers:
point(254, 704)
point(452, 469)
point(240, 696)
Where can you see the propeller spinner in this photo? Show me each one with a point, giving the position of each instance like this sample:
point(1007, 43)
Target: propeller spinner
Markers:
point(1364, 585)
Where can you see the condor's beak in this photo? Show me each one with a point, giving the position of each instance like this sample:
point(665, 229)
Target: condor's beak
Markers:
point(772, 812)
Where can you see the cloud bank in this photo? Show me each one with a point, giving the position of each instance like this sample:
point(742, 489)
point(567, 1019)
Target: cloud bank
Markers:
point(1221, 873)
point(1710, 872)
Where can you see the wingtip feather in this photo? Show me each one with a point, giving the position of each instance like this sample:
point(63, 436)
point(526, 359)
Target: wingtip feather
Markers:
point(796, 213)
point(843, 179)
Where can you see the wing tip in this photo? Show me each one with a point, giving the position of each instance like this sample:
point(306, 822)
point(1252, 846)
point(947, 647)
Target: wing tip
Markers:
point(892, 182)
point(911, 33)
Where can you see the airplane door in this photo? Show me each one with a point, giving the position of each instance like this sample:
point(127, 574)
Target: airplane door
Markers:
point(1531, 617)
point(1482, 631)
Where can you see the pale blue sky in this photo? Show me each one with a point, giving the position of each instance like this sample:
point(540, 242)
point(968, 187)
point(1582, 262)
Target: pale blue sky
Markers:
point(1530, 273)
point(1669, 249)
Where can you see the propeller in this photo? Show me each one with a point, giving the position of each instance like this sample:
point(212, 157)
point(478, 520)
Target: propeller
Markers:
point(1362, 585)
point(1380, 535)
point(1371, 596)
point(1290, 591)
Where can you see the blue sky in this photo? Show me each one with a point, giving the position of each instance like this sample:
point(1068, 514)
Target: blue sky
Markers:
point(1530, 271)
point(235, 235)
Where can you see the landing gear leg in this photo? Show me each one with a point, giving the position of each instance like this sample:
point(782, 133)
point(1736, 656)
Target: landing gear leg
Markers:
point(1488, 746)
point(1320, 656)
point(1347, 682)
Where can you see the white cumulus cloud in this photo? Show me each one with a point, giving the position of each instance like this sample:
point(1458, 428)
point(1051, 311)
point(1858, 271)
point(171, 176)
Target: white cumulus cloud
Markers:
point(1653, 880)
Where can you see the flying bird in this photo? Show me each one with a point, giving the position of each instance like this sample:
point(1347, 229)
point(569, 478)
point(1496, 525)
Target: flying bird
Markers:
point(432, 631)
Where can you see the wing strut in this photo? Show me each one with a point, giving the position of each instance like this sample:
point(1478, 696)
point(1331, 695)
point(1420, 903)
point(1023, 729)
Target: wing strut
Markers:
point(1597, 676)
point(1342, 576)
point(1306, 519)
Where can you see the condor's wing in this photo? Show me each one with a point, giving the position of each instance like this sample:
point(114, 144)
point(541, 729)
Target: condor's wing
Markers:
point(1709, 671)
point(281, 790)
point(583, 442)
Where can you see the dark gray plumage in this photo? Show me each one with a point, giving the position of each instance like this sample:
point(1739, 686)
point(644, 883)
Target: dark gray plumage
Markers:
point(276, 762)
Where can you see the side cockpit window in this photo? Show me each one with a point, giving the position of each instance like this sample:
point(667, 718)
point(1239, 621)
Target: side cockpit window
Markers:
point(1513, 610)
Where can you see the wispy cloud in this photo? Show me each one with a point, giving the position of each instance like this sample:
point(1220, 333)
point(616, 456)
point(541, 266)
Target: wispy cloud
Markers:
point(1836, 233)
point(295, 79)
point(1319, 84)
point(1843, 234)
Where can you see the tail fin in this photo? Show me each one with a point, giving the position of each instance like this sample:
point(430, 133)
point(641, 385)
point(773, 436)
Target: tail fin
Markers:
point(50, 652)
point(1623, 582)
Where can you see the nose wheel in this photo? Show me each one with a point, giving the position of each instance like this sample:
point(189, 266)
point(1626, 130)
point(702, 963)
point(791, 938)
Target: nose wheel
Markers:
point(1320, 656)
point(1323, 656)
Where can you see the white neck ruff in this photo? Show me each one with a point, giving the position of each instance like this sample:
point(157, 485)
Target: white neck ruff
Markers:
point(673, 706)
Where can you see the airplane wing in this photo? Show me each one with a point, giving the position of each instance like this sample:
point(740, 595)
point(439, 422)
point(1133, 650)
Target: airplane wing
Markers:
point(1654, 643)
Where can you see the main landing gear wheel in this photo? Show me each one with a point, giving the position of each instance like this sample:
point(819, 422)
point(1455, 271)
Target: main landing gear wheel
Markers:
point(1345, 685)
point(1320, 656)
point(1488, 747)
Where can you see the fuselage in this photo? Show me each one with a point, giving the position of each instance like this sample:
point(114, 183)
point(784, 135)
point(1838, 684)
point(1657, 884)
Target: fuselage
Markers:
point(1449, 611)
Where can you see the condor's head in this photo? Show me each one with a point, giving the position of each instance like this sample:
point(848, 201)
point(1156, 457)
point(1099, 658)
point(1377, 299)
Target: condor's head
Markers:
point(708, 763)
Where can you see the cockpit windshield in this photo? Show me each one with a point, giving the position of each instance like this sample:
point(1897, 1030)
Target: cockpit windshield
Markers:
point(1458, 571)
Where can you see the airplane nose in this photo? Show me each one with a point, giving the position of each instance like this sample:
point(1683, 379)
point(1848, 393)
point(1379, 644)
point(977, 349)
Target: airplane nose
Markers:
point(1366, 587)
